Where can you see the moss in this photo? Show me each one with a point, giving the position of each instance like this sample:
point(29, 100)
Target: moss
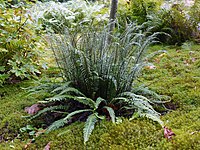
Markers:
point(176, 75)
point(128, 135)
point(172, 77)
point(12, 109)
point(186, 120)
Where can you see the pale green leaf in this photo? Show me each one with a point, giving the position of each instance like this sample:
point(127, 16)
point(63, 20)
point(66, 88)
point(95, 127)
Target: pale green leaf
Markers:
point(89, 126)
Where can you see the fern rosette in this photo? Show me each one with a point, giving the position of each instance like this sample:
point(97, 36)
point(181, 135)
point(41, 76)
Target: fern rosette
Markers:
point(102, 77)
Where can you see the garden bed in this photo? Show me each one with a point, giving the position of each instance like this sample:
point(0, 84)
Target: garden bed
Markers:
point(176, 74)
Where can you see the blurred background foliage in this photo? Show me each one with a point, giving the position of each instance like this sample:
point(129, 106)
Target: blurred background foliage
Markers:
point(19, 43)
point(177, 19)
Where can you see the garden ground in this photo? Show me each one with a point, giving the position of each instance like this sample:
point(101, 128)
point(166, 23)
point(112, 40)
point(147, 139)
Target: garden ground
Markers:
point(175, 74)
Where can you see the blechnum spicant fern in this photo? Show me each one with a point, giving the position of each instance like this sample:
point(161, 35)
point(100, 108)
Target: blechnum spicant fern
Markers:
point(102, 77)
point(99, 69)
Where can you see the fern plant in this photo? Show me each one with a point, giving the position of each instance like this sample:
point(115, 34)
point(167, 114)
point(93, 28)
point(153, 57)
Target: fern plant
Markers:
point(102, 77)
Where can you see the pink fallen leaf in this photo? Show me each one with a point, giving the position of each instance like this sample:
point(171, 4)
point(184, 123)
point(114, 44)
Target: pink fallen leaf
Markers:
point(33, 109)
point(193, 59)
point(47, 147)
point(151, 67)
point(168, 133)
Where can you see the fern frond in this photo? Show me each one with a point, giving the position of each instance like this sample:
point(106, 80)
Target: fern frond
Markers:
point(155, 98)
point(57, 124)
point(119, 100)
point(134, 96)
point(89, 126)
point(41, 88)
point(142, 104)
point(71, 90)
point(98, 101)
point(111, 113)
point(86, 101)
point(60, 123)
point(75, 112)
point(62, 87)
point(153, 117)
point(58, 98)
point(51, 108)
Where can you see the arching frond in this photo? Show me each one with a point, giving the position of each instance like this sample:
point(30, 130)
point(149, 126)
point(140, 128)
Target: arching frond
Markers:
point(99, 101)
point(60, 123)
point(89, 127)
point(55, 125)
point(111, 113)
point(61, 88)
point(71, 90)
point(59, 98)
point(86, 101)
point(50, 109)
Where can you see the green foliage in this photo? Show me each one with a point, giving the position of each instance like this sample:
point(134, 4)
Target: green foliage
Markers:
point(18, 44)
point(55, 16)
point(98, 69)
point(181, 22)
point(176, 22)
point(89, 126)
point(172, 76)
point(101, 77)
point(138, 10)
point(195, 13)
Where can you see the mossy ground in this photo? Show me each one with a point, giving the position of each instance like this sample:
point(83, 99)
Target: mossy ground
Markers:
point(177, 74)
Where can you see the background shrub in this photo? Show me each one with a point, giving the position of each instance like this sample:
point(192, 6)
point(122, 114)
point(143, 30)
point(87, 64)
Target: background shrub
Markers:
point(57, 16)
point(176, 22)
point(181, 22)
point(19, 44)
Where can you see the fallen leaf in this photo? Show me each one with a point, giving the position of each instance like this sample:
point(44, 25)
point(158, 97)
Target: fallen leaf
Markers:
point(151, 67)
point(28, 144)
point(33, 109)
point(168, 133)
point(193, 59)
point(47, 147)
